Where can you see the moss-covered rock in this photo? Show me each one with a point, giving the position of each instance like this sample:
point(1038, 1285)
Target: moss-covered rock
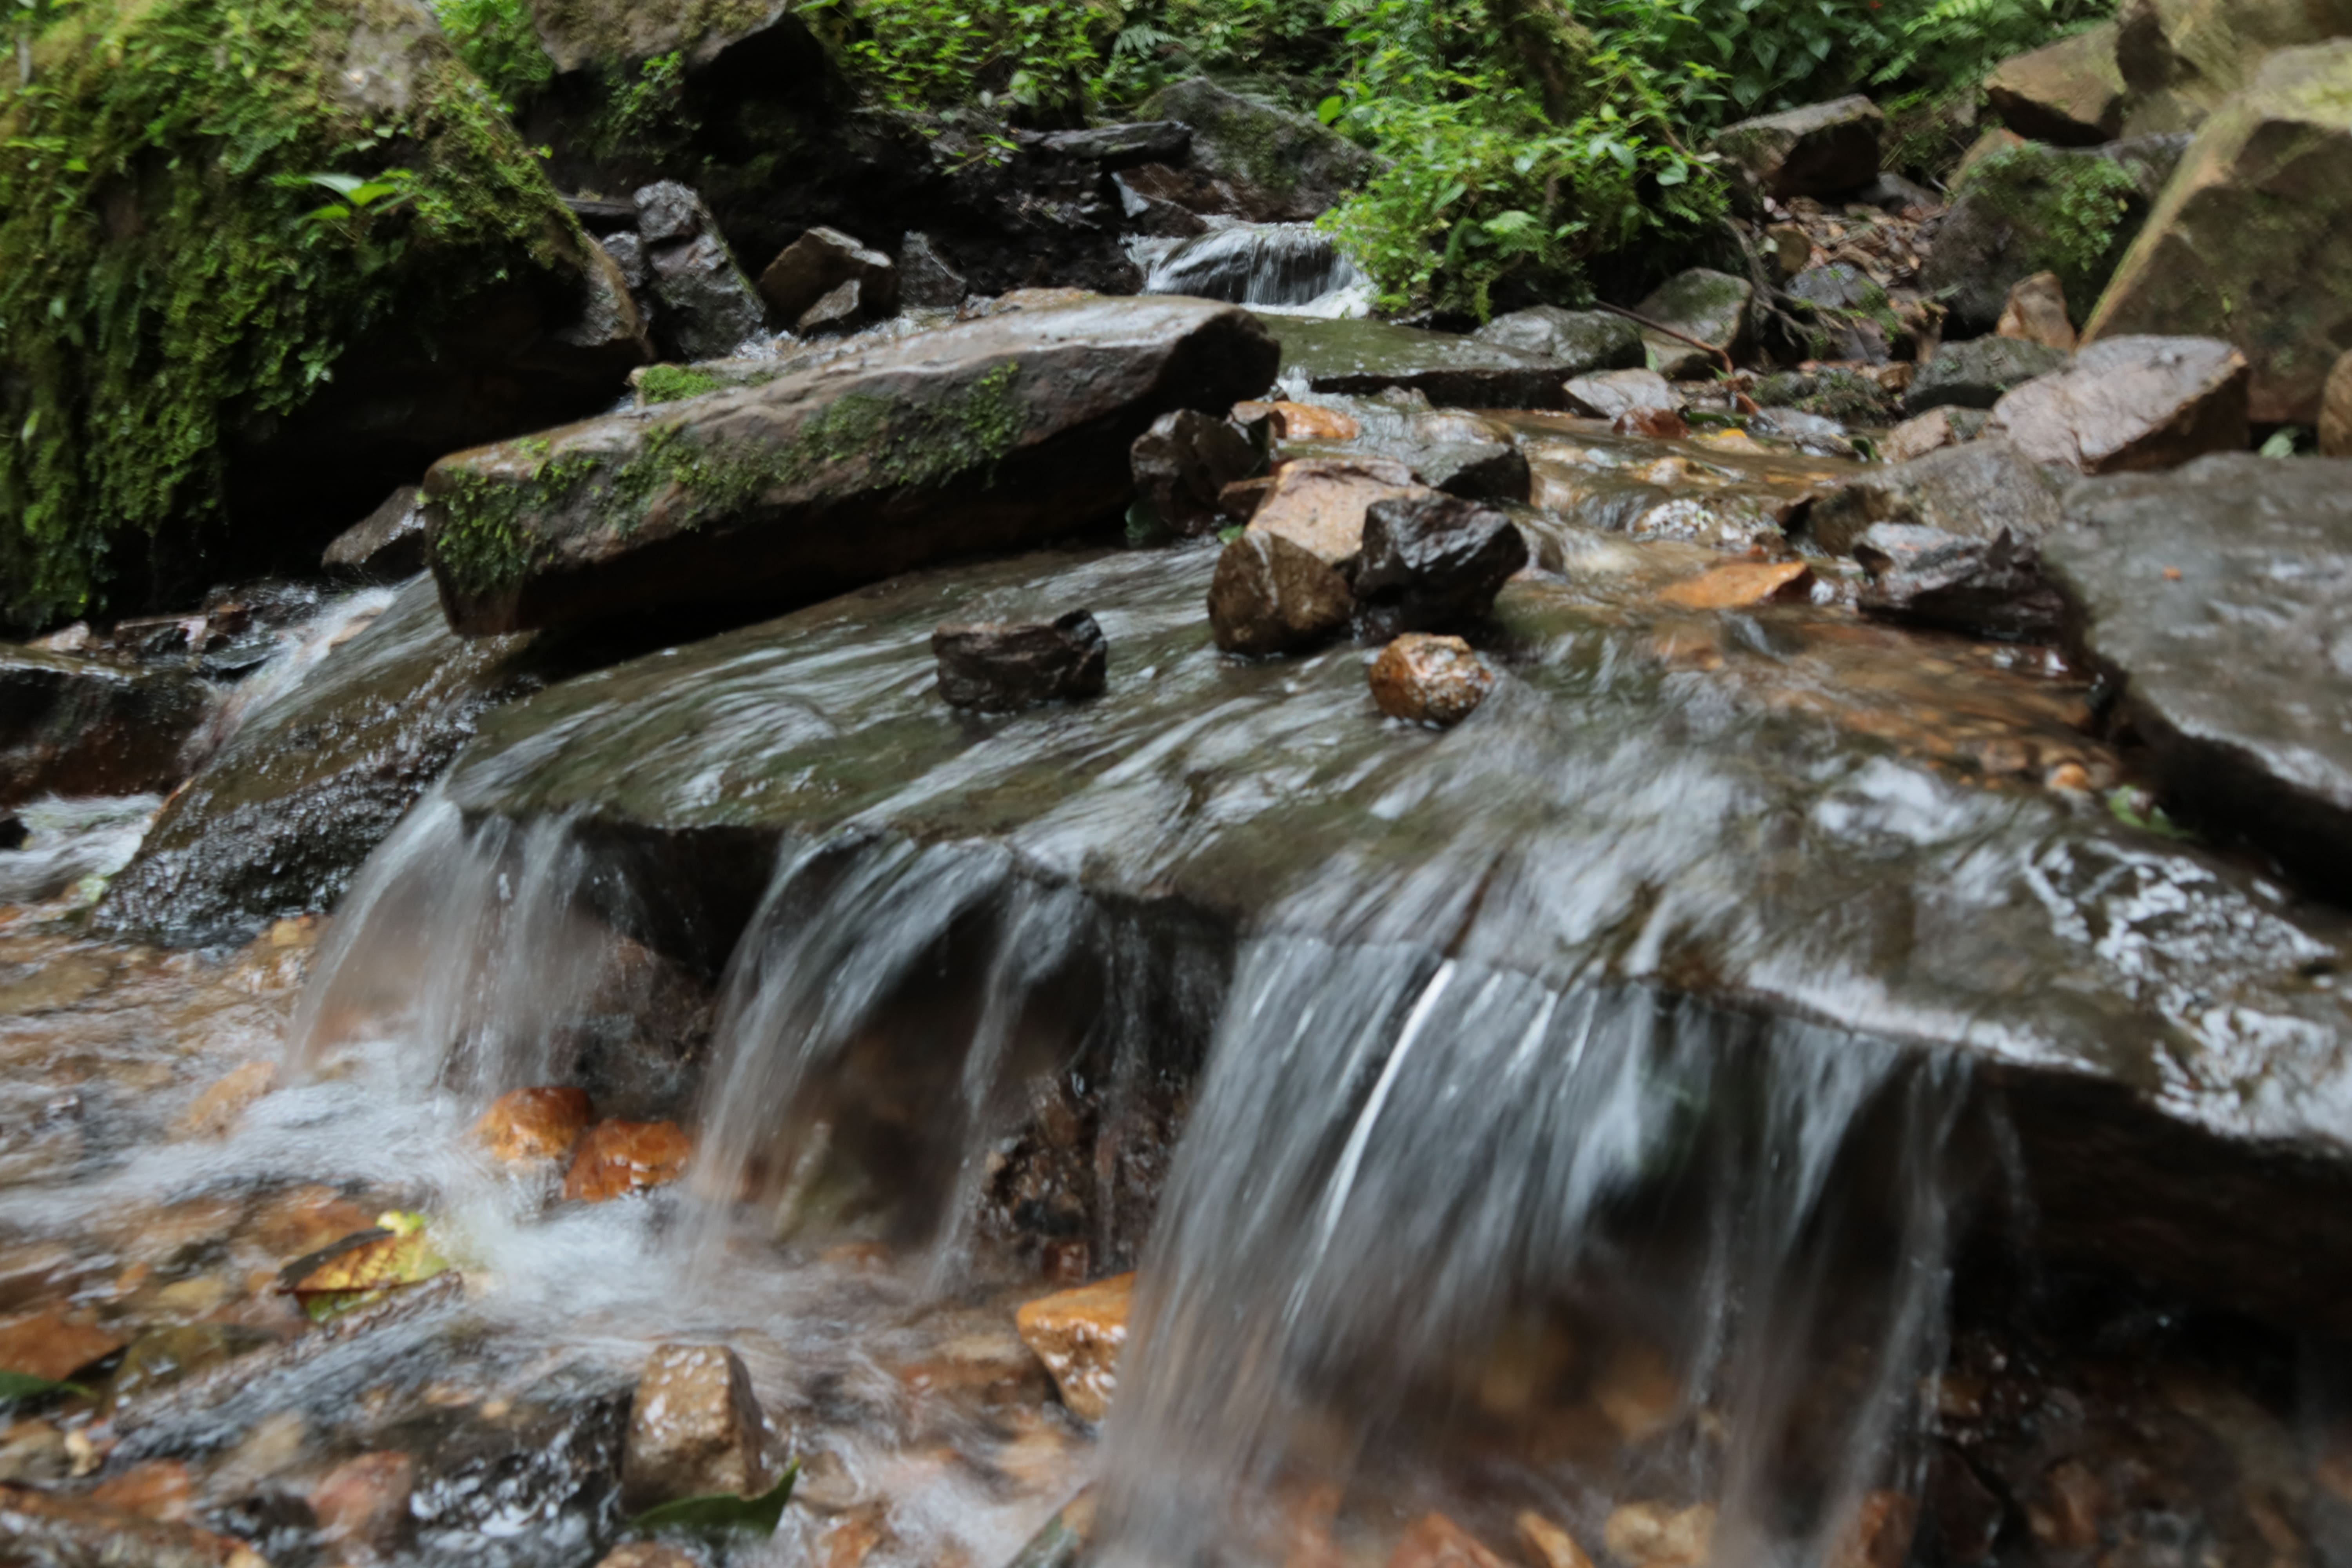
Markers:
point(2029, 209)
point(2249, 242)
point(1280, 165)
point(1846, 395)
point(260, 261)
point(989, 434)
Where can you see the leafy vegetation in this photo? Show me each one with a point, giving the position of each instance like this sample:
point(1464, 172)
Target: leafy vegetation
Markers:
point(497, 38)
point(169, 279)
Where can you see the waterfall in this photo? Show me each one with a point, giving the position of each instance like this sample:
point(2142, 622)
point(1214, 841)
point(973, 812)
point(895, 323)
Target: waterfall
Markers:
point(1288, 267)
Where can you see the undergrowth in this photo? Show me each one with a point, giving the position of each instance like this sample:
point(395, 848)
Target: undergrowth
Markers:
point(169, 279)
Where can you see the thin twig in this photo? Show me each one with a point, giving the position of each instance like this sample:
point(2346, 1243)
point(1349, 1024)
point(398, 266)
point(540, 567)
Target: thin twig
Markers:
point(1676, 334)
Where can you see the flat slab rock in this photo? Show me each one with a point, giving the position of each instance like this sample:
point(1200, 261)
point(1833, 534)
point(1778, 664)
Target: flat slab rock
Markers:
point(2183, 1068)
point(1368, 357)
point(2221, 597)
point(981, 435)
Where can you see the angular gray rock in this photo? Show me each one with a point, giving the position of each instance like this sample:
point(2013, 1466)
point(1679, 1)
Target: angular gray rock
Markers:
point(2071, 93)
point(1978, 372)
point(1476, 470)
point(73, 725)
point(1273, 595)
point(1613, 393)
point(1981, 587)
point(984, 435)
point(1365, 358)
point(840, 311)
point(2219, 600)
point(2132, 403)
point(1182, 464)
point(1583, 340)
point(1979, 491)
point(1432, 564)
point(1820, 149)
point(818, 263)
point(1119, 146)
point(1274, 165)
point(708, 306)
point(1701, 303)
point(669, 213)
point(1003, 667)
point(385, 545)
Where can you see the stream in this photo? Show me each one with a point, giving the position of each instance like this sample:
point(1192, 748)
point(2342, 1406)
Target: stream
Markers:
point(1746, 1096)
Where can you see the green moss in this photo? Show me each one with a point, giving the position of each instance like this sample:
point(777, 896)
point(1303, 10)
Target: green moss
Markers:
point(486, 543)
point(2075, 208)
point(499, 39)
point(1845, 396)
point(671, 383)
point(167, 282)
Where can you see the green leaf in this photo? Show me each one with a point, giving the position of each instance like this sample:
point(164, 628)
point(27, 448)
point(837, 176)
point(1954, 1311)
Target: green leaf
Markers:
point(341, 185)
point(18, 1387)
point(2284, 443)
point(723, 1513)
point(1330, 109)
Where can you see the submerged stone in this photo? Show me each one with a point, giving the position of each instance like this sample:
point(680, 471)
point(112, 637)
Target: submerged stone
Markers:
point(695, 1429)
point(1079, 1334)
point(2219, 597)
point(981, 436)
point(1000, 669)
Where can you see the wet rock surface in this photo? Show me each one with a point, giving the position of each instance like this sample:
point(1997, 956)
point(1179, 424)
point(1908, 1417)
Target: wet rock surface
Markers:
point(1434, 563)
point(276, 822)
point(2128, 404)
point(998, 667)
point(74, 725)
point(1366, 358)
point(385, 546)
point(1429, 680)
point(1983, 491)
point(823, 260)
point(1271, 594)
point(2237, 564)
point(1584, 341)
point(1979, 373)
point(1703, 305)
point(1266, 163)
point(1078, 1334)
point(695, 1429)
point(1184, 463)
point(992, 433)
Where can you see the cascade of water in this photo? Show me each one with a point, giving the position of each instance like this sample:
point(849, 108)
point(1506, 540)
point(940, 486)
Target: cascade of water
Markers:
point(1427, 1215)
point(1276, 266)
point(487, 947)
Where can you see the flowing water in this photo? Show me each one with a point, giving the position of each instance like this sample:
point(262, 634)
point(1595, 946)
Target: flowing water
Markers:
point(1287, 268)
point(1574, 1122)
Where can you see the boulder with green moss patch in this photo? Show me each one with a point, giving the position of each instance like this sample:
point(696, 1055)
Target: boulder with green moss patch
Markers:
point(2182, 59)
point(2031, 209)
point(1269, 163)
point(988, 435)
point(261, 261)
point(2249, 242)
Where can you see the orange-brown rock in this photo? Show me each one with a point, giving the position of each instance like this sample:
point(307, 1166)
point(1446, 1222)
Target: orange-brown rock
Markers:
point(362, 1504)
point(218, 1109)
point(616, 1157)
point(1657, 424)
point(2336, 412)
point(695, 1429)
point(52, 1345)
point(1435, 1541)
point(159, 1489)
point(1320, 502)
point(1743, 586)
point(1659, 1536)
point(1271, 594)
point(1879, 1533)
point(2036, 312)
point(1078, 1335)
point(526, 1124)
point(1930, 432)
point(40, 1527)
point(646, 1554)
point(1301, 421)
point(1554, 1546)
point(1429, 680)
point(2074, 1505)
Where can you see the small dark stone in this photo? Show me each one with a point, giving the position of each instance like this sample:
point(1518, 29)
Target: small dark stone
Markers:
point(1474, 470)
point(1979, 373)
point(1119, 146)
point(1000, 668)
point(1182, 464)
point(385, 545)
point(926, 281)
point(1991, 588)
point(1434, 563)
point(709, 308)
point(818, 263)
point(14, 833)
point(627, 250)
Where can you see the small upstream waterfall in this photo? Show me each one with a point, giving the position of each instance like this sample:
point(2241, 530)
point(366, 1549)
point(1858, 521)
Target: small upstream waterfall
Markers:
point(1287, 266)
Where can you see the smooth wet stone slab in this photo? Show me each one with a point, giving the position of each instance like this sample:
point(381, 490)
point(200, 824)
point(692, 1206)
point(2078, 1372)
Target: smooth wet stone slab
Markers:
point(985, 434)
point(276, 823)
point(1368, 357)
point(74, 725)
point(2221, 597)
point(1780, 812)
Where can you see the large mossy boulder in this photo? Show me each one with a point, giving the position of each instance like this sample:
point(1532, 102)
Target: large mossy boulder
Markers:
point(2182, 59)
point(2032, 209)
point(1274, 164)
point(1008, 430)
point(259, 263)
point(2249, 242)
